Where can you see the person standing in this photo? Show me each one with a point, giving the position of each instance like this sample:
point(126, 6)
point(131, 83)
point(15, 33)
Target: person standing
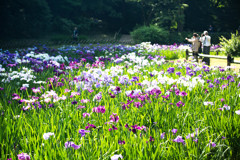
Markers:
point(206, 42)
point(195, 45)
point(75, 33)
point(210, 29)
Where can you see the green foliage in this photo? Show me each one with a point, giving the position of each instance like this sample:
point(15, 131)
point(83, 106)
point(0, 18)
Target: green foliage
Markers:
point(23, 18)
point(63, 25)
point(231, 46)
point(171, 55)
point(215, 37)
point(38, 18)
point(178, 37)
point(151, 34)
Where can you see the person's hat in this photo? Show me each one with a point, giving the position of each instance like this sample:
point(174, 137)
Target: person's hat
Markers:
point(205, 32)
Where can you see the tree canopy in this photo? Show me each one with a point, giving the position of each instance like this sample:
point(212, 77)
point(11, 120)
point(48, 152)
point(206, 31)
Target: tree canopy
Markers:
point(24, 18)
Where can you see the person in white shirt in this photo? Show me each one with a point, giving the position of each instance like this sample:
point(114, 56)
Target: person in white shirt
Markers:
point(206, 42)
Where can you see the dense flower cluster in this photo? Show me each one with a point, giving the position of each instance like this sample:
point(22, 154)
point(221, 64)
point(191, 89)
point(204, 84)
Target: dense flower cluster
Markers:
point(118, 96)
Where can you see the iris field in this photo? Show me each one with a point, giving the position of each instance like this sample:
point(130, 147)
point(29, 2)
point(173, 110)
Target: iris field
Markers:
point(116, 102)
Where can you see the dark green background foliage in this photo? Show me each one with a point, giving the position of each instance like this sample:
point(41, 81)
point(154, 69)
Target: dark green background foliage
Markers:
point(39, 18)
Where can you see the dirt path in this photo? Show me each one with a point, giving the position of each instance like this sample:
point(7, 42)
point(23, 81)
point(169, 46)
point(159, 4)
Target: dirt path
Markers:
point(223, 63)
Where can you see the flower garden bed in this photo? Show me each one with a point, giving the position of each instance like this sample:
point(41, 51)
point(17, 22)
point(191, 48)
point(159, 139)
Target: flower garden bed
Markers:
point(115, 101)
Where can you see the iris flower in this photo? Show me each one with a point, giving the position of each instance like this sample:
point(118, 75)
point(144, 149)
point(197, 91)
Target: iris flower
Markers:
point(23, 156)
point(46, 136)
point(83, 132)
point(69, 144)
point(116, 157)
point(174, 131)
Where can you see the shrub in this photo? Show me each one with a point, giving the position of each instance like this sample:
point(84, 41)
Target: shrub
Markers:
point(232, 45)
point(151, 34)
point(215, 37)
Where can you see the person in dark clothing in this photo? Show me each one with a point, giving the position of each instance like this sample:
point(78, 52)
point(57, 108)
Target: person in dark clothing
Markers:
point(210, 29)
point(206, 42)
point(75, 33)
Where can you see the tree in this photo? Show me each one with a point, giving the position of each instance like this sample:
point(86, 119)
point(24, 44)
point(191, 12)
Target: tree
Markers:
point(164, 13)
point(24, 18)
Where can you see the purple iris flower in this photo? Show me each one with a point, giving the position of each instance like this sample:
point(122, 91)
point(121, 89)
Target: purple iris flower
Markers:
point(83, 132)
point(200, 75)
point(180, 104)
point(177, 92)
point(74, 102)
point(188, 136)
point(99, 109)
point(114, 118)
point(124, 106)
point(113, 128)
point(178, 73)
point(23, 156)
point(98, 96)
point(183, 94)
point(190, 73)
point(69, 144)
point(211, 85)
point(224, 86)
point(232, 80)
point(229, 77)
point(20, 101)
point(51, 105)
point(150, 57)
point(165, 97)
point(163, 135)
point(80, 107)
point(170, 70)
point(118, 60)
point(118, 89)
point(179, 139)
point(216, 81)
point(121, 142)
point(137, 104)
point(90, 126)
point(174, 131)
point(112, 95)
point(86, 114)
point(214, 144)
point(151, 139)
